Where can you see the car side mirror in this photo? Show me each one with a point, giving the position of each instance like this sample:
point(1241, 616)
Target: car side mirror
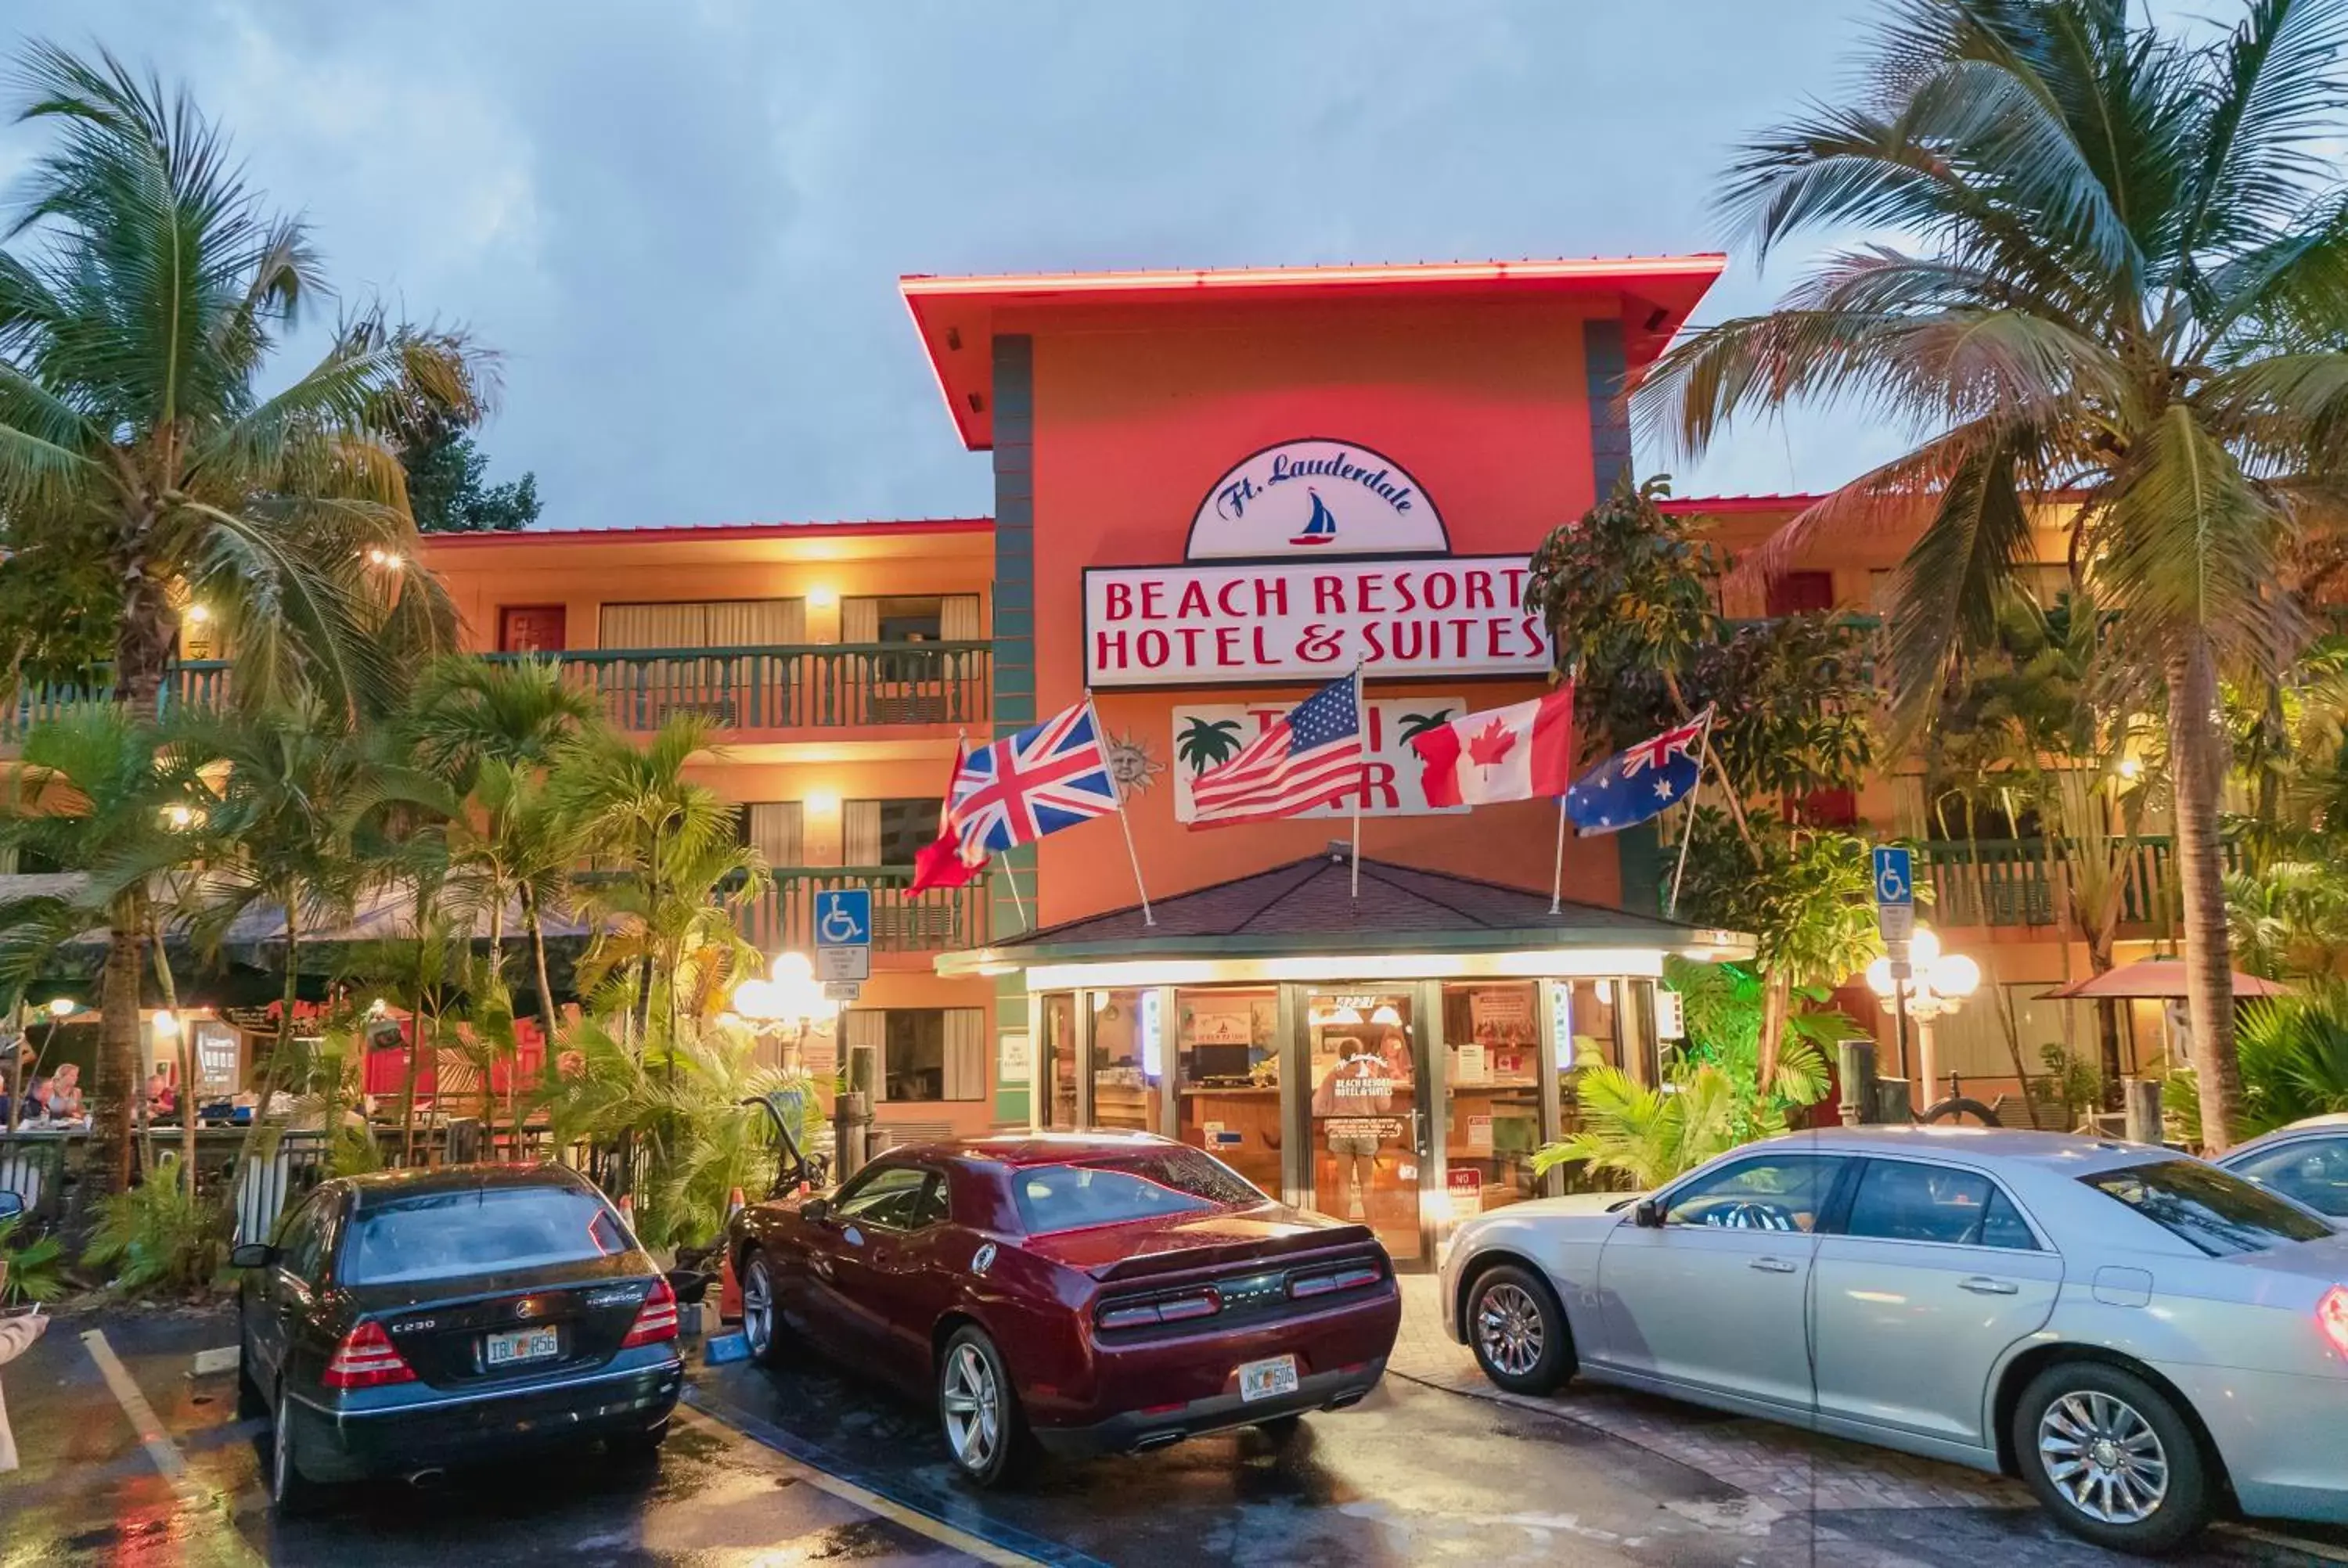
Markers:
point(1648, 1214)
point(252, 1255)
point(815, 1209)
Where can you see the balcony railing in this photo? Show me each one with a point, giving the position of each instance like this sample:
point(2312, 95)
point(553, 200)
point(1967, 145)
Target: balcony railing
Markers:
point(2011, 882)
point(902, 922)
point(822, 686)
point(814, 686)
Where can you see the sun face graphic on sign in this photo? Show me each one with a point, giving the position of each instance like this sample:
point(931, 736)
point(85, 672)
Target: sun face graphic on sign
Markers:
point(1335, 497)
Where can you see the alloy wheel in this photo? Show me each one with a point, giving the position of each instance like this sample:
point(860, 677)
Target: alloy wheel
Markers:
point(757, 1307)
point(1508, 1329)
point(973, 1403)
point(2104, 1456)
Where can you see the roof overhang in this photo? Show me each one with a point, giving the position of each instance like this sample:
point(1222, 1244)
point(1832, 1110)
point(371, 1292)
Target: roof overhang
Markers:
point(1528, 954)
point(957, 316)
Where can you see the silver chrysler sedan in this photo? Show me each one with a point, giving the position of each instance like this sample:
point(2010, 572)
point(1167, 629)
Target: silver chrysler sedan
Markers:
point(2140, 1336)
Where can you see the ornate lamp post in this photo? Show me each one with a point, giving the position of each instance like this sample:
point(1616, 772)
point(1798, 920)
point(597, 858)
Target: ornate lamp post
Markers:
point(1940, 984)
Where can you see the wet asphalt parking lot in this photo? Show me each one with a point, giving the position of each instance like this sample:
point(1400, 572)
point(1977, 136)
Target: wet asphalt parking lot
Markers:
point(812, 1465)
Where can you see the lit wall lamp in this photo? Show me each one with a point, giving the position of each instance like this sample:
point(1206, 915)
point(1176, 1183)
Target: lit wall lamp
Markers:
point(823, 802)
point(823, 597)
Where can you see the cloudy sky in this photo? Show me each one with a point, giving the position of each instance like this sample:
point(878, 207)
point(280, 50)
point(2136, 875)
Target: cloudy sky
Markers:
point(682, 222)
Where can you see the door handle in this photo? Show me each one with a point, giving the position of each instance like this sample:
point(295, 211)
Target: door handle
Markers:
point(1982, 1285)
point(1774, 1265)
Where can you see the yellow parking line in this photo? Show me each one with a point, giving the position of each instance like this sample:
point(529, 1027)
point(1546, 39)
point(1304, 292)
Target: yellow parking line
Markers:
point(143, 1420)
point(2272, 1538)
point(872, 1502)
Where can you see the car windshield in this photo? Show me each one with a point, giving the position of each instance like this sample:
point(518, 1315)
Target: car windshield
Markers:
point(1121, 1187)
point(435, 1236)
point(2215, 1209)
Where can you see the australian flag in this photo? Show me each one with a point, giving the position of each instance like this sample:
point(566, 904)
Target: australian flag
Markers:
point(1634, 784)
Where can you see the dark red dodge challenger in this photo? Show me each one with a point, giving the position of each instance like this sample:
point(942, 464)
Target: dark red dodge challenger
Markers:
point(1091, 1293)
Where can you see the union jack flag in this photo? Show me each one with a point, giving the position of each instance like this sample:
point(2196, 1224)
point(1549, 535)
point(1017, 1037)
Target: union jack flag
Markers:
point(1639, 782)
point(1038, 781)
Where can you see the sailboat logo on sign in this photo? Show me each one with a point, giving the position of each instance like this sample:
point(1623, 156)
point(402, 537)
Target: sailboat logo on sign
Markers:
point(1313, 494)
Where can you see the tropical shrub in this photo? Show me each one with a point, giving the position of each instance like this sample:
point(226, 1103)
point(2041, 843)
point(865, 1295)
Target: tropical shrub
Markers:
point(29, 1270)
point(2294, 1056)
point(156, 1238)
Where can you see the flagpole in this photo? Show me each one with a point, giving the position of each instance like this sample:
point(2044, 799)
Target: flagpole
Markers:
point(1003, 869)
point(1557, 871)
point(1687, 829)
point(1100, 738)
point(1360, 785)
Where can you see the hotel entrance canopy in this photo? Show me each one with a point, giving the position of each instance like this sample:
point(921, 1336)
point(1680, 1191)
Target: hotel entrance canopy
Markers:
point(1395, 1058)
point(1302, 921)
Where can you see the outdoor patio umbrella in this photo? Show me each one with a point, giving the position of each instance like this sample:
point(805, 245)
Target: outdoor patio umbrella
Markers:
point(2156, 979)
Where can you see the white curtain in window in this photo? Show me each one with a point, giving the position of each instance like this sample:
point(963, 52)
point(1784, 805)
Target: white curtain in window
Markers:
point(958, 617)
point(869, 1027)
point(758, 623)
point(860, 620)
point(859, 832)
point(634, 626)
point(777, 831)
point(965, 1053)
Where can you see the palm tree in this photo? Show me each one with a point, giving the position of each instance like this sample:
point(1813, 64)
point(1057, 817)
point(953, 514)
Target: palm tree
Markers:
point(655, 834)
point(103, 794)
point(299, 804)
point(1207, 743)
point(491, 729)
point(2123, 285)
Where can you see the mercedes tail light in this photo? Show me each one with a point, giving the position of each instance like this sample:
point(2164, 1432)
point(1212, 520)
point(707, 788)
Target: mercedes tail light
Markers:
point(366, 1358)
point(1167, 1309)
point(1351, 1277)
point(655, 1319)
point(2331, 1317)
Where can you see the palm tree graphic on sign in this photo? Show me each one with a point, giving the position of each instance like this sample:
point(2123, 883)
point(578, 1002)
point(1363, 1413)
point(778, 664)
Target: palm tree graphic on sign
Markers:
point(1412, 725)
point(1207, 742)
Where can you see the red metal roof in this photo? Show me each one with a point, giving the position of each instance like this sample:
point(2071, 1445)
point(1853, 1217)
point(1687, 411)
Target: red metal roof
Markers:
point(873, 525)
point(955, 316)
point(1715, 506)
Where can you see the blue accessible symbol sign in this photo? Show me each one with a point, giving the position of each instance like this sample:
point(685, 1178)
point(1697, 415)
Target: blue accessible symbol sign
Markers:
point(843, 934)
point(1895, 898)
point(843, 918)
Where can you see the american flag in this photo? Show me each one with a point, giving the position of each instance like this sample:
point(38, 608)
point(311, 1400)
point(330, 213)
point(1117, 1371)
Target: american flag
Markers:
point(1038, 781)
point(1310, 758)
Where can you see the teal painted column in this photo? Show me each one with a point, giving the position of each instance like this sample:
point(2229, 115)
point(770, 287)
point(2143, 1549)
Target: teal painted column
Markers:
point(1015, 670)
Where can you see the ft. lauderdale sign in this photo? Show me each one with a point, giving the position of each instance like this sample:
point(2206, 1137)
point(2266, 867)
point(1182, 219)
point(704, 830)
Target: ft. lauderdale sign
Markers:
point(1287, 610)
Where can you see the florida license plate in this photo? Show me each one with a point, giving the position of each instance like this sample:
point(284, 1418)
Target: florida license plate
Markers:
point(524, 1345)
point(1267, 1379)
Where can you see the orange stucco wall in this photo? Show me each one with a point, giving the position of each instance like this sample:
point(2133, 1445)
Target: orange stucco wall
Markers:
point(1137, 416)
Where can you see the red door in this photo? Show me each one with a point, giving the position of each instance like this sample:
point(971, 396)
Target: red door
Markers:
point(1798, 593)
point(530, 629)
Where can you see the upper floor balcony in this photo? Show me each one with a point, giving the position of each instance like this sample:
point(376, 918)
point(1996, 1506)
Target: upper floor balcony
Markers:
point(751, 693)
point(2027, 882)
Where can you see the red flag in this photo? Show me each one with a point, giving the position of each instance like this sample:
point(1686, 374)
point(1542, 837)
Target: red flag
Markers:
point(1520, 753)
point(941, 862)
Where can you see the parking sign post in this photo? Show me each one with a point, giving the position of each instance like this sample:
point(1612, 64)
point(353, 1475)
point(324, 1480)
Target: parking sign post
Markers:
point(843, 934)
point(1895, 917)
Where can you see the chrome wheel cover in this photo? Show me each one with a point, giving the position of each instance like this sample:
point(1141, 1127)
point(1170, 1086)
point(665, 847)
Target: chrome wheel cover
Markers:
point(971, 1399)
point(758, 1307)
point(281, 1452)
point(1508, 1329)
point(2104, 1456)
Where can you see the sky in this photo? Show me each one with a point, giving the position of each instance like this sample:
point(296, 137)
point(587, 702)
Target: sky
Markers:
point(681, 224)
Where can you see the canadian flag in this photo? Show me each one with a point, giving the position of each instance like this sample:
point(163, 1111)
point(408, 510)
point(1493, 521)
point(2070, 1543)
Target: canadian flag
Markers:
point(1520, 753)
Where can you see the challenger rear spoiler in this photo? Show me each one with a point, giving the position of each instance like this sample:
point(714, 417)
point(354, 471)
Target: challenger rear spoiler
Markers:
point(1222, 1254)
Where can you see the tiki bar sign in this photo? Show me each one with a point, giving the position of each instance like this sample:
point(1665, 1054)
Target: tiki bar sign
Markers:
point(1290, 599)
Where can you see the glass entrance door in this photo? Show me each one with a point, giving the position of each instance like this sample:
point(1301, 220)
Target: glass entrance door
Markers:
point(1364, 1113)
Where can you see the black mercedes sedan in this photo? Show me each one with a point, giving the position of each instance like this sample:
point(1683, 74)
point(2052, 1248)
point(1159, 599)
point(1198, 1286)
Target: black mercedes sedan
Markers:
point(410, 1320)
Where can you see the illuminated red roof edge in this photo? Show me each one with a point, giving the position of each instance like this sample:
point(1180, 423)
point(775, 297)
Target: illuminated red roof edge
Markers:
point(715, 530)
point(1684, 277)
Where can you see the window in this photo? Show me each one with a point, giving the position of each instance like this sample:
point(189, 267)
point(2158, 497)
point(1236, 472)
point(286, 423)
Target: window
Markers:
point(910, 618)
point(708, 623)
point(1780, 1192)
point(1900, 1202)
point(479, 1230)
point(926, 1053)
point(881, 1195)
point(2312, 1171)
point(2215, 1209)
point(299, 1239)
point(886, 832)
point(1126, 1187)
point(929, 1205)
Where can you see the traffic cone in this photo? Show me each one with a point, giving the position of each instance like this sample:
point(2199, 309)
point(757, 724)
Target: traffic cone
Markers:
point(735, 1203)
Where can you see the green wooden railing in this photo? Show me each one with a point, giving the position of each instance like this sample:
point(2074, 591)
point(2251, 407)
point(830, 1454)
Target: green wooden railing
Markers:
point(2011, 881)
point(902, 922)
point(814, 686)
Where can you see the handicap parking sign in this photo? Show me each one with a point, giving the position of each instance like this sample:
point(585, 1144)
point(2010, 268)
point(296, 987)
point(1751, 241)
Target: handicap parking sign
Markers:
point(843, 918)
